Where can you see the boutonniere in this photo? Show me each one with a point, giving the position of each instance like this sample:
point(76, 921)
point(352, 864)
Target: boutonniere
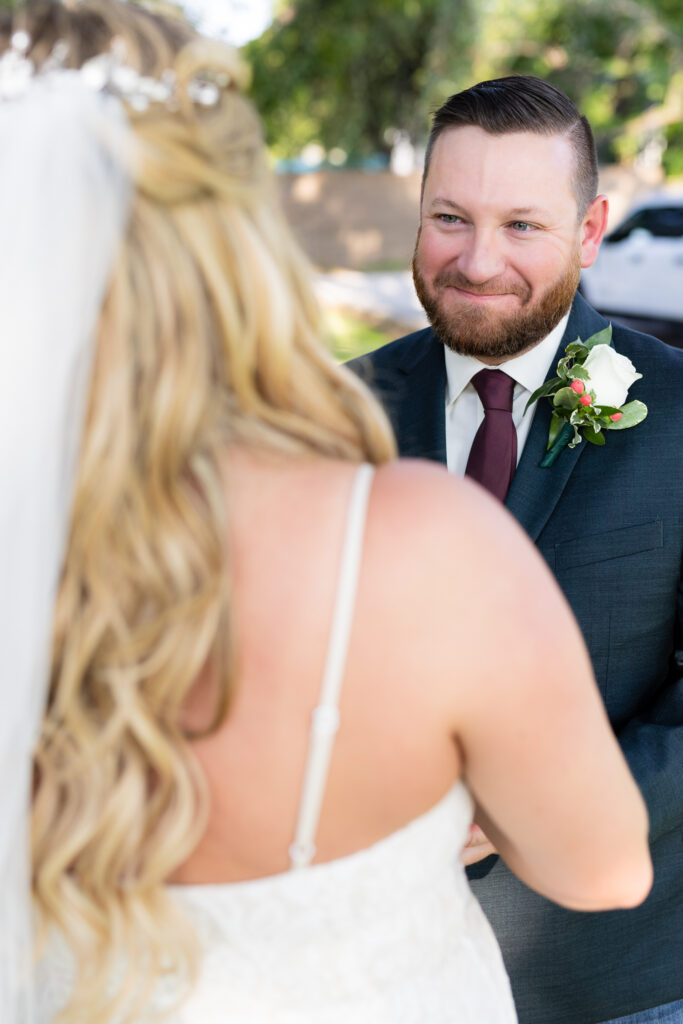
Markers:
point(588, 395)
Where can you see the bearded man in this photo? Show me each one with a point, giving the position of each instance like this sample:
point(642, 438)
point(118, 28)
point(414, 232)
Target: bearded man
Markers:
point(509, 215)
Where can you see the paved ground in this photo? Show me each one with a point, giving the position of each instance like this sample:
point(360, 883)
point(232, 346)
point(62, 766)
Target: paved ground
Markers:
point(385, 295)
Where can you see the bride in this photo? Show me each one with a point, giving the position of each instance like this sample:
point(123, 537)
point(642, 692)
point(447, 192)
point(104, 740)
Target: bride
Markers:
point(286, 670)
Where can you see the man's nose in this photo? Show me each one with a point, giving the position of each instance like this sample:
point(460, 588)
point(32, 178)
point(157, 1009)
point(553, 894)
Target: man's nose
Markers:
point(481, 258)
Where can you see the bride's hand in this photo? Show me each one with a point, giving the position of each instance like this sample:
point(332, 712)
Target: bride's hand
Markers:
point(477, 847)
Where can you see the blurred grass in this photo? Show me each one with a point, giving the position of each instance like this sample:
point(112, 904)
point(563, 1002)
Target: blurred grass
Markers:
point(350, 334)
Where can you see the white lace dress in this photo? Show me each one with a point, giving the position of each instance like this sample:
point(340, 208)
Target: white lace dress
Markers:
point(389, 935)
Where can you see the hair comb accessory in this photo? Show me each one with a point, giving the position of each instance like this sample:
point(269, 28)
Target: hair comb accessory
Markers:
point(108, 73)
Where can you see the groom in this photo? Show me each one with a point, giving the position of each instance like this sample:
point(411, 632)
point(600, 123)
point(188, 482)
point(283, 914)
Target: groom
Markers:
point(509, 215)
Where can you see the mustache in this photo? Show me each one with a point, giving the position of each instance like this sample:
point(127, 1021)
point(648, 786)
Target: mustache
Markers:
point(496, 286)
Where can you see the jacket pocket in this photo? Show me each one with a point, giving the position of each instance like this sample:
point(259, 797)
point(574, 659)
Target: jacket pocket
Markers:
point(600, 547)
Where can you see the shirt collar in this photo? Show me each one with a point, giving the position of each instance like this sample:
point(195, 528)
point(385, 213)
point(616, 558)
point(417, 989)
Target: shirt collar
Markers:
point(529, 369)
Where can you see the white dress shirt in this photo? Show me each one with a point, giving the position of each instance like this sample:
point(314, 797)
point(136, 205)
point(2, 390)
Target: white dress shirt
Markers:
point(464, 411)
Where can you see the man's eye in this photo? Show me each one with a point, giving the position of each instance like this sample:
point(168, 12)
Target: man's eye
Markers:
point(448, 218)
point(522, 225)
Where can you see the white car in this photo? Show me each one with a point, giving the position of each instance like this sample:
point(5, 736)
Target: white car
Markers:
point(639, 269)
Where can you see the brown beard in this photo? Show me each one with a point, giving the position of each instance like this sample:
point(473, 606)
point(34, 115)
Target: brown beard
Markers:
point(475, 331)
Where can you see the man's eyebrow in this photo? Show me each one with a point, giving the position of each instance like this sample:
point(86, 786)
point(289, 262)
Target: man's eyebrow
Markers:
point(528, 211)
point(442, 201)
point(517, 211)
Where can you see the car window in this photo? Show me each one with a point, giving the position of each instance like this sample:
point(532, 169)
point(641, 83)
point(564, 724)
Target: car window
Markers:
point(660, 221)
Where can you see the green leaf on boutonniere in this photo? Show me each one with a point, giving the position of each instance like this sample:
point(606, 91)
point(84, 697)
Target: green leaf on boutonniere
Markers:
point(594, 436)
point(602, 414)
point(563, 369)
point(578, 373)
point(545, 389)
point(556, 424)
point(631, 414)
point(566, 398)
point(575, 421)
point(577, 350)
point(603, 337)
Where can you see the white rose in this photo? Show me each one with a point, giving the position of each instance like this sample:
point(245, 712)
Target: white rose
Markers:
point(611, 375)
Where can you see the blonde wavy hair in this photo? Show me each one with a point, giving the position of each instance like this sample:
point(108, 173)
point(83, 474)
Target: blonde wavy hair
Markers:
point(209, 336)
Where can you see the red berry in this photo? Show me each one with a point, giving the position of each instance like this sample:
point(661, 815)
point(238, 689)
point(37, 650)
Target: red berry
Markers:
point(578, 386)
point(585, 400)
point(616, 416)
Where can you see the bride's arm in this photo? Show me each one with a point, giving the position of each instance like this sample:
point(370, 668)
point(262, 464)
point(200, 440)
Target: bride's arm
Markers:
point(503, 652)
point(554, 792)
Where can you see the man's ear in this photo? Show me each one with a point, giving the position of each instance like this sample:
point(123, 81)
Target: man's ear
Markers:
point(592, 229)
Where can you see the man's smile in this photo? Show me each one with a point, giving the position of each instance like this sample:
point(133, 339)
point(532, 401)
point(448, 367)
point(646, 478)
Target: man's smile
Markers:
point(479, 296)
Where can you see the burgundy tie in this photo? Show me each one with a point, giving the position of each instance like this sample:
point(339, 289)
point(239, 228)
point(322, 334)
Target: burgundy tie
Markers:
point(493, 455)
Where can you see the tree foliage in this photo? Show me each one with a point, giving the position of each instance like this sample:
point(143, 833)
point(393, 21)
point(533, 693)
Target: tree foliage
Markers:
point(348, 73)
point(351, 73)
point(621, 61)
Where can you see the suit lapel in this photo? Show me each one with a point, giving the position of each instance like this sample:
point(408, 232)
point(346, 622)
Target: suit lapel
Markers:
point(419, 416)
point(534, 492)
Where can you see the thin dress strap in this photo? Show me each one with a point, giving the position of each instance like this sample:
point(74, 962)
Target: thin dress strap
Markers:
point(325, 719)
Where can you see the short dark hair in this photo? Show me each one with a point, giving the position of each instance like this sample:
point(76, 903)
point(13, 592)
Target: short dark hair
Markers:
point(523, 103)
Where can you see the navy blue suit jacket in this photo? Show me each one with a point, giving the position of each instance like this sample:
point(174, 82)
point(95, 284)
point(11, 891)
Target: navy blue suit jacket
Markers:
point(609, 522)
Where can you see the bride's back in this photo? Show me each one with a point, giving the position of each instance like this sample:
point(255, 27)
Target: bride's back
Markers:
point(395, 753)
point(455, 624)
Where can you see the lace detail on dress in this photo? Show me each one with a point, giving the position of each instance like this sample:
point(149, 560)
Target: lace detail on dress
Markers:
point(388, 935)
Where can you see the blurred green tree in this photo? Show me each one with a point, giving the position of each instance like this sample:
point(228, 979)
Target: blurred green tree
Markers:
point(621, 61)
point(352, 73)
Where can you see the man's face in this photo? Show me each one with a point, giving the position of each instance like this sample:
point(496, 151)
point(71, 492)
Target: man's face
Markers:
point(500, 244)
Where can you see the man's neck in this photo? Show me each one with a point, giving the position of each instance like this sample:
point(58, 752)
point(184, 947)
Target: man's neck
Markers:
point(490, 361)
point(494, 361)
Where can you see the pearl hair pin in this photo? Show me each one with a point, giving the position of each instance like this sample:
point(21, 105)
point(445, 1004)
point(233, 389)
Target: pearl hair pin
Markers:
point(108, 72)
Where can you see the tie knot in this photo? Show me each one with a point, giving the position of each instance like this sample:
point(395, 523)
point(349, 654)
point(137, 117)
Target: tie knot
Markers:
point(495, 389)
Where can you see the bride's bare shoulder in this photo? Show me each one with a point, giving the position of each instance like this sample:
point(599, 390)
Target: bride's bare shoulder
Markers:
point(454, 552)
point(422, 501)
point(425, 481)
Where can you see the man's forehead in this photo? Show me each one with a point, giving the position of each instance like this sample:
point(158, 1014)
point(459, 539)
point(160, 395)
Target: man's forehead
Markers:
point(467, 134)
point(525, 170)
point(465, 145)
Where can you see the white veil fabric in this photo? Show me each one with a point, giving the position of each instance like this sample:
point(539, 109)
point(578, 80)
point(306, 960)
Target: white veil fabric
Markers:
point(64, 205)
